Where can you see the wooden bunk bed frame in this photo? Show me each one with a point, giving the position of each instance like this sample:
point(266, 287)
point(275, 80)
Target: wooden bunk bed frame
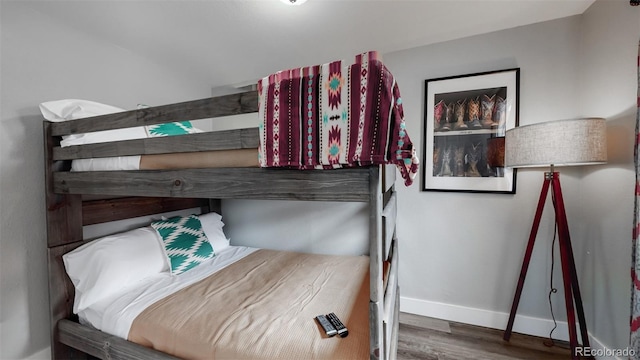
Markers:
point(142, 192)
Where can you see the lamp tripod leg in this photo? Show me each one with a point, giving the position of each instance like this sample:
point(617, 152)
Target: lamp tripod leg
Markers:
point(569, 273)
point(568, 290)
point(527, 258)
point(584, 334)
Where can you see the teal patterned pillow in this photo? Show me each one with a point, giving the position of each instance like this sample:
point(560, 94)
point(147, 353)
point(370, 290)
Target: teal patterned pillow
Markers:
point(169, 129)
point(184, 242)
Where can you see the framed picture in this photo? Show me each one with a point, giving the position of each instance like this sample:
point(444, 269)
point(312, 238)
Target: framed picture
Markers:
point(466, 118)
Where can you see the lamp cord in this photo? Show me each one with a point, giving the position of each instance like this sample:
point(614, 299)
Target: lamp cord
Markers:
point(549, 342)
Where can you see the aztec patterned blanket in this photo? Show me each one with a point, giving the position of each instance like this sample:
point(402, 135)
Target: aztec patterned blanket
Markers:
point(334, 115)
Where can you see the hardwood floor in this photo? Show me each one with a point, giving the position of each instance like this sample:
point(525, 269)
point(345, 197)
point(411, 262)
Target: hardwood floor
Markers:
point(432, 339)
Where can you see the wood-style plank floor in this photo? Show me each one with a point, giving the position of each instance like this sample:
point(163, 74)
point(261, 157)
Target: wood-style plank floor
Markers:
point(432, 339)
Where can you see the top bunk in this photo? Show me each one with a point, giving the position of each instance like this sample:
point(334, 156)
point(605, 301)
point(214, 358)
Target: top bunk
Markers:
point(377, 126)
point(351, 184)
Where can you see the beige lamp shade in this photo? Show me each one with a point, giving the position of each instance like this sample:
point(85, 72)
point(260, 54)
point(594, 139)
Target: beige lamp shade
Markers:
point(558, 143)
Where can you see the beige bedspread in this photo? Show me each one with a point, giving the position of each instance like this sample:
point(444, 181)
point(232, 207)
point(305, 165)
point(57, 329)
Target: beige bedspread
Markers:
point(263, 307)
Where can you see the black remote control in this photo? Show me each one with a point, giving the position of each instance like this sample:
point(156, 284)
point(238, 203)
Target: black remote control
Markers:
point(326, 325)
point(342, 330)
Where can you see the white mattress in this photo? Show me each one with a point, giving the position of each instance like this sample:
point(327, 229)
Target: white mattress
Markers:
point(107, 164)
point(115, 315)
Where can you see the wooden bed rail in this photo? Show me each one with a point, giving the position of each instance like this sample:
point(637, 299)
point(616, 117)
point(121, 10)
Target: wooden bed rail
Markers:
point(105, 346)
point(221, 183)
point(207, 141)
point(107, 210)
point(235, 104)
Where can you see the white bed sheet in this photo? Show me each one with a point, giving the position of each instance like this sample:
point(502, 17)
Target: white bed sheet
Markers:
point(107, 164)
point(115, 314)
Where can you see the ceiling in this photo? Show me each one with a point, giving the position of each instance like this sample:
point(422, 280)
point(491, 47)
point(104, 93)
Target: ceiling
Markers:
point(230, 42)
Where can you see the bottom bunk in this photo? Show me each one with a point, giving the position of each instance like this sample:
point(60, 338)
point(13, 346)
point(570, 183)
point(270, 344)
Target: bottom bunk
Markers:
point(244, 303)
point(258, 304)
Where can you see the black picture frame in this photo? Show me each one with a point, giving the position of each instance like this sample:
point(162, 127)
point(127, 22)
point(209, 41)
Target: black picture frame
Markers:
point(463, 115)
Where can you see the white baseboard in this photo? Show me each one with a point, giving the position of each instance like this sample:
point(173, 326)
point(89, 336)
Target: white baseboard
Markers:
point(493, 319)
point(600, 347)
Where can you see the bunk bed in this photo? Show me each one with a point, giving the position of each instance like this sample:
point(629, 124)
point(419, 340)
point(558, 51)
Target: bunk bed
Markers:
point(76, 199)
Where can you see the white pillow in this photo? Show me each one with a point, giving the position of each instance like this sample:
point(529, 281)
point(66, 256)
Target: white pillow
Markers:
point(71, 109)
point(111, 264)
point(212, 226)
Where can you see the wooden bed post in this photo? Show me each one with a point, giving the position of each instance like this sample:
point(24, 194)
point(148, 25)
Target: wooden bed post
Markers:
point(64, 226)
point(376, 292)
point(215, 205)
point(384, 304)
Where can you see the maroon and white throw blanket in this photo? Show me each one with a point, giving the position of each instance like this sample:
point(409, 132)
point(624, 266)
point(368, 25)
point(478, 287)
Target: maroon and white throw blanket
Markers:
point(334, 115)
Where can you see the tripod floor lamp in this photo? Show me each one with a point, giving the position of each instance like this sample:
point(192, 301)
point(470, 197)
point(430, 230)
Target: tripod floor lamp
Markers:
point(551, 144)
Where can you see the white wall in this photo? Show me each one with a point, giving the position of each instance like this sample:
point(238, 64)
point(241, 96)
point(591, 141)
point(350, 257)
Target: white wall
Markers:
point(608, 88)
point(45, 60)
